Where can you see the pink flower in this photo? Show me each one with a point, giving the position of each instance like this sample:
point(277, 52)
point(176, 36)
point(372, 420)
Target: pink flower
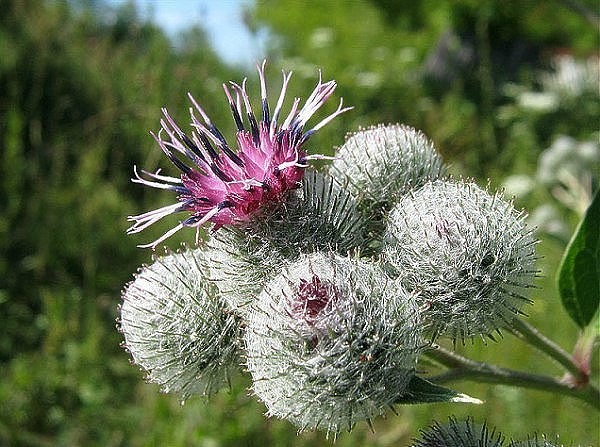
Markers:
point(228, 187)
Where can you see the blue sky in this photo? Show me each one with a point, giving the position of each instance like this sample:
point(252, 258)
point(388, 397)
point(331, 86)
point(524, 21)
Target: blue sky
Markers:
point(222, 20)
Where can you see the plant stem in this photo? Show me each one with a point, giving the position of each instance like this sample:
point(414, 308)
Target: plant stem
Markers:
point(535, 338)
point(462, 368)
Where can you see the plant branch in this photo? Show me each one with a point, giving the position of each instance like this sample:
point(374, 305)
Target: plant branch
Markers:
point(535, 338)
point(462, 368)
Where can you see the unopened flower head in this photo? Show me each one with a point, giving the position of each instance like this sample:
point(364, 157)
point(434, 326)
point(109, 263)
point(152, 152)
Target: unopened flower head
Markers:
point(536, 441)
point(382, 163)
point(224, 186)
point(466, 254)
point(176, 328)
point(318, 216)
point(332, 341)
point(459, 434)
point(240, 268)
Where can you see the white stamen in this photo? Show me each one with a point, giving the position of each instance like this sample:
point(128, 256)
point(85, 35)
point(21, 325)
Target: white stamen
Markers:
point(318, 97)
point(286, 80)
point(247, 183)
point(162, 143)
point(289, 164)
point(291, 115)
point(325, 121)
point(261, 76)
point(233, 103)
point(242, 90)
point(167, 235)
point(200, 110)
point(202, 149)
point(171, 122)
point(202, 129)
point(138, 179)
point(144, 220)
point(175, 143)
point(319, 157)
point(158, 176)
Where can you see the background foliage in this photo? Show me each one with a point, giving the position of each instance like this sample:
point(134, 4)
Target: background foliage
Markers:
point(82, 84)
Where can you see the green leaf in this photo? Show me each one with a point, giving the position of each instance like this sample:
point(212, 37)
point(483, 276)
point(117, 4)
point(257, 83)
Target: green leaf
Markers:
point(578, 277)
point(421, 391)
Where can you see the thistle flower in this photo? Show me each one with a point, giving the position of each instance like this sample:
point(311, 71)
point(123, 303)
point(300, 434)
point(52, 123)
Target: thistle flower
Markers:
point(227, 187)
point(459, 434)
point(331, 341)
point(176, 328)
point(382, 163)
point(467, 255)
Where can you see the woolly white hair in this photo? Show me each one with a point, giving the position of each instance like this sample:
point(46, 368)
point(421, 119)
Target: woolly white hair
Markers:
point(240, 269)
point(382, 163)
point(175, 326)
point(318, 216)
point(468, 256)
point(331, 341)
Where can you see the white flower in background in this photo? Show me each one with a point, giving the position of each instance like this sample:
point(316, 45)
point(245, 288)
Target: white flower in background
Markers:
point(573, 77)
point(547, 219)
point(566, 154)
point(542, 102)
point(569, 168)
point(518, 185)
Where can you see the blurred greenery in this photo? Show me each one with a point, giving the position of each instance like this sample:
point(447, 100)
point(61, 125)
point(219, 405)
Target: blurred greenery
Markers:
point(81, 85)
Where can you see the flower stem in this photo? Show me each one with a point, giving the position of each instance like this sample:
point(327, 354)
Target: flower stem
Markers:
point(462, 368)
point(535, 338)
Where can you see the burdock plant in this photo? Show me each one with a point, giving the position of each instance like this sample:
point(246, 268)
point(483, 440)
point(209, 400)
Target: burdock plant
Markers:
point(467, 255)
point(330, 288)
point(176, 328)
point(467, 433)
point(331, 341)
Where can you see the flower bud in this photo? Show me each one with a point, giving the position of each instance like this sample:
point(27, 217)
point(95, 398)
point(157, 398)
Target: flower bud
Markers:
point(239, 268)
point(175, 326)
point(459, 434)
point(536, 441)
point(467, 255)
point(331, 341)
point(319, 216)
point(382, 163)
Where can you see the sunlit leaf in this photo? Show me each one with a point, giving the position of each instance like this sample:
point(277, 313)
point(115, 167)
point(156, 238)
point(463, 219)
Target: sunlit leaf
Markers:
point(579, 274)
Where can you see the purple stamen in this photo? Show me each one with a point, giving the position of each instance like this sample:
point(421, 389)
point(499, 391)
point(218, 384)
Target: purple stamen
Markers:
point(312, 297)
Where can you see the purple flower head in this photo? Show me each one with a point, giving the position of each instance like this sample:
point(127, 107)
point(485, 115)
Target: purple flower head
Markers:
point(312, 297)
point(228, 187)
